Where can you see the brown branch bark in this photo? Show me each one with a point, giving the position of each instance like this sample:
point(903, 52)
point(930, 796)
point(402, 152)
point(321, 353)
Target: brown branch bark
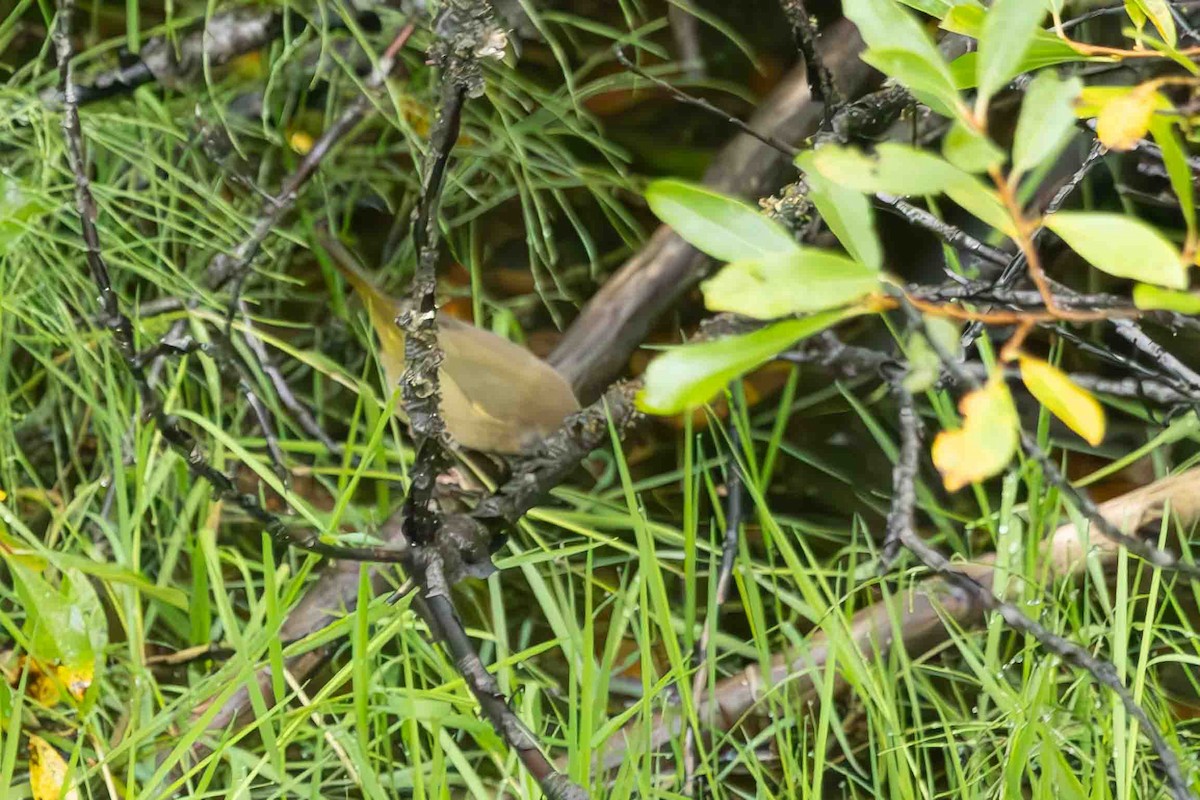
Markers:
point(594, 352)
point(615, 322)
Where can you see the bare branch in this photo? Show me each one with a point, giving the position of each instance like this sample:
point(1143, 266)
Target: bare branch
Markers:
point(820, 80)
point(122, 330)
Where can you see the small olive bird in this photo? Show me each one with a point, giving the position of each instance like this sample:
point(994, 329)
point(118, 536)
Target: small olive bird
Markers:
point(497, 397)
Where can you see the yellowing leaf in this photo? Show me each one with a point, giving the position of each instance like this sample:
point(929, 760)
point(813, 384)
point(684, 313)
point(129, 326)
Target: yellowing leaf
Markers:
point(47, 772)
point(984, 444)
point(1093, 99)
point(3, 496)
point(1159, 13)
point(301, 142)
point(1124, 121)
point(40, 686)
point(1076, 407)
point(75, 679)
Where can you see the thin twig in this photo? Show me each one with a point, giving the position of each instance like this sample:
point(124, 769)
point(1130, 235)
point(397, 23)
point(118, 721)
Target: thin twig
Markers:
point(1101, 670)
point(1017, 266)
point(1158, 355)
point(279, 383)
point(699, 102)
point(1152, 554)
point(122, 331)
point(904, 479)
point(805, 31)
point(444, 622)
point(465, 28)
point(1163, 559)
point(234, 266)
point(950, 234)
point(423, 355)
point(172, 59)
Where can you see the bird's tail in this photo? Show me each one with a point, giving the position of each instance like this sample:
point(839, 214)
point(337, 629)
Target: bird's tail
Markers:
point(380, 307)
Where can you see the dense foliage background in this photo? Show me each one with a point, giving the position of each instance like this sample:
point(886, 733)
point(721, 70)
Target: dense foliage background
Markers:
point(742, 571)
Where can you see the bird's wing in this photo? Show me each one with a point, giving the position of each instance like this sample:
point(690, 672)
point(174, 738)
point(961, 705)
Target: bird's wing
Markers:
point(503, 380)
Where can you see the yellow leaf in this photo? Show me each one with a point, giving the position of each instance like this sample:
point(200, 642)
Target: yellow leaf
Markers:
point(41, 686)
point(1093, 99)
point(3, 496)
point(76, 678)
point(1077, 408)
point(984, 444)
point(301, 142)
point(1124, 121)
point(47, 772)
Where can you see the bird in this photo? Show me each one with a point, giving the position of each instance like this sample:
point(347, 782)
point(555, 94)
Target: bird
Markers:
point(497, 397)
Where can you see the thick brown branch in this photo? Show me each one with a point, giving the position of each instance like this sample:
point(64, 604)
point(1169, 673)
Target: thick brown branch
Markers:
point(616, 321)
point(923, 617)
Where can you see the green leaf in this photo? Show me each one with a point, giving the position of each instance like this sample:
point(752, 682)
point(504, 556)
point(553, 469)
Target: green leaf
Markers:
point(1007, 33)
point(895, 169)
point(969, 151)
point(924, 363)
point(903, 170)
point(109, 572)
point(982, 203)
point(1045, 49)
point(1159, 13)
point(1154, 298)
point(19, 206)
point(788, 283)
point(1058, 778)
point(65, 625)
point(1174, 158)
point(931, 83)
point(689, 376)
point(1121, 245)
point(937, 8)
point(924, 366)
point(846, 211)
point(884, 25)
point(1047, 120)
point(723, 227)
